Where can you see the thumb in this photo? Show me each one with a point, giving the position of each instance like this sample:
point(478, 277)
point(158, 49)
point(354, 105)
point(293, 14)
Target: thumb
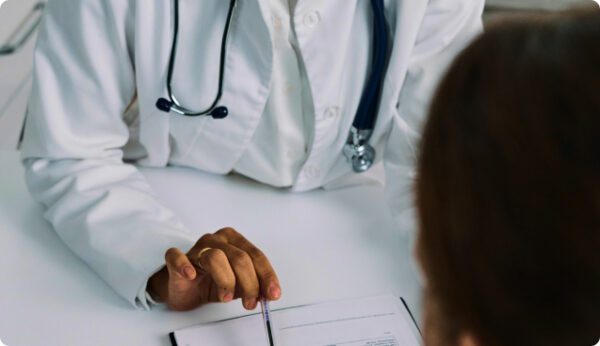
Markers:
point(179, 265)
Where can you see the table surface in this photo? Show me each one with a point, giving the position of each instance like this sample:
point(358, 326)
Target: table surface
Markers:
point(325, 245)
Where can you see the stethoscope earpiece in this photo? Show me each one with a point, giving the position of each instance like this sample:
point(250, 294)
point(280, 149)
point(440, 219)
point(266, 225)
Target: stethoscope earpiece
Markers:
point(164, 105)
point(219, 112)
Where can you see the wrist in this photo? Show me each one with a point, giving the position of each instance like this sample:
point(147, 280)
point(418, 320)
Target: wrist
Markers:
point(157, 286)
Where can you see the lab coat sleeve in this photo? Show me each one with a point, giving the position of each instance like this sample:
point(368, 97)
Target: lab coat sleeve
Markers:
point(102, 208)
point(447, 27)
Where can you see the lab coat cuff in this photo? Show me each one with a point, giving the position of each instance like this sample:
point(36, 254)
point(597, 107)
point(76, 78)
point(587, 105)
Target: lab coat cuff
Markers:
point(151, 301)
point(144, 300)
point(154, 253)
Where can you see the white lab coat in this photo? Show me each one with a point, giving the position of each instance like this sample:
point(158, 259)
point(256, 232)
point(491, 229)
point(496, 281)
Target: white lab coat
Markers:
point(95, 57)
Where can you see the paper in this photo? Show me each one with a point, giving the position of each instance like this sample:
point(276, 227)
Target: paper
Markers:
point(376, 321)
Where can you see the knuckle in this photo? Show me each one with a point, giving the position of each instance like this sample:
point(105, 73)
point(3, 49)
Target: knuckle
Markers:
point(253, 289)
point(205, 238)
point(227, 232)
point(256, 253)
point(215, 255)
point(241, 260)
point(229, 281)
point(208, 257)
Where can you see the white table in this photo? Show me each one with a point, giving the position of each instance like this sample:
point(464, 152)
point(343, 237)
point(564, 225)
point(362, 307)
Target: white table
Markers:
point(325, 245)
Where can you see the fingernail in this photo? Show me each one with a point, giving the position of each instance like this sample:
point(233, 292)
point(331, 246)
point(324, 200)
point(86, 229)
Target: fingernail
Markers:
point(189, 272)
point(228, 297)
point(274, 291)
point(251, 304)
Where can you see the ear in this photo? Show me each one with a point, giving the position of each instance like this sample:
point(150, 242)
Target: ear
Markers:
point(467, 339)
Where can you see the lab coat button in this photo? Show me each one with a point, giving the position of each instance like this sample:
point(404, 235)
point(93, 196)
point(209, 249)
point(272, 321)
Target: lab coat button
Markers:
point(311, 19)
point(277, 23)
point(331, 112)
point(292, 155)
point(289, 87)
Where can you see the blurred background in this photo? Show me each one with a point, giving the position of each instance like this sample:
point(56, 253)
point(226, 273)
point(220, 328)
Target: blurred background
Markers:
point(18, 23)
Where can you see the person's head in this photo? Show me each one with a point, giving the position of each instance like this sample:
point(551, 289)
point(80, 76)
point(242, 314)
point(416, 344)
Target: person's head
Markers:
point(508, 189)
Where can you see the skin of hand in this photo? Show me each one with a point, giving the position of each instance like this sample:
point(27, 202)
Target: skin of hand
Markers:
point(232, 268)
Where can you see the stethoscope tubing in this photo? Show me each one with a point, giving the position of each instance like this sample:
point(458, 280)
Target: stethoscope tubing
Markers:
point(358, 150)
point(366, 114)
point(176, 106)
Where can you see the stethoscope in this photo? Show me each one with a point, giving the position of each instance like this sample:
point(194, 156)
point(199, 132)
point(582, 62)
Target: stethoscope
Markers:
point(357, 149)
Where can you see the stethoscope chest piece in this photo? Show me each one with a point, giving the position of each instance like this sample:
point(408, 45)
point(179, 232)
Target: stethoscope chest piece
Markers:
point(358, 150)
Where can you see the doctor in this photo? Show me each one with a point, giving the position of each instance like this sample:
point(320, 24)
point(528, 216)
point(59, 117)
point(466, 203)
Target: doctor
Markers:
point(297, 94)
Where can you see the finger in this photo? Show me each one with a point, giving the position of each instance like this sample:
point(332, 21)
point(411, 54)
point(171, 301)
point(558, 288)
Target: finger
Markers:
point(269, 282)
point(247, 283)
point(213, 293)
point(216, 264)
point(179, 265)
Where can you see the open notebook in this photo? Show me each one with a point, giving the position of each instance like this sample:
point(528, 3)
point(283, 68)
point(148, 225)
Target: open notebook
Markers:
point(375, 321)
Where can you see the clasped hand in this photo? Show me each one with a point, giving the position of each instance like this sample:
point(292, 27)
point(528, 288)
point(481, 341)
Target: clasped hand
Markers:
point(220, 267)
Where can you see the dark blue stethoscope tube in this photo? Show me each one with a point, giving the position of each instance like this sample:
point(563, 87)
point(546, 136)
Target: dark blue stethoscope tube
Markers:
point(367, 109)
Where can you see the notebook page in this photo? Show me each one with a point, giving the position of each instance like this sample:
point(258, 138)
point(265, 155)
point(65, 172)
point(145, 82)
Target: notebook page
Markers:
point(376, 321)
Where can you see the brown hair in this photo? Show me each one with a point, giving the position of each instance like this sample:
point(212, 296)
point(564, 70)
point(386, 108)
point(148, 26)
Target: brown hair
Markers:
point(508, 190)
